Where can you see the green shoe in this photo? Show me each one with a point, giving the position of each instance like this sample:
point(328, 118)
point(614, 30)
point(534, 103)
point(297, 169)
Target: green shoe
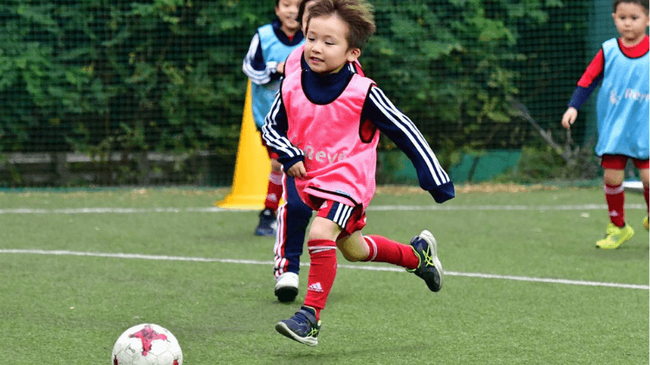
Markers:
point(429, 269)
point(645, 222)
point(615, 236)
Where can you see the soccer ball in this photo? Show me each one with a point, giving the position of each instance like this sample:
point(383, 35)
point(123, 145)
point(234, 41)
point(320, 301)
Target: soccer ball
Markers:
point(147, 344)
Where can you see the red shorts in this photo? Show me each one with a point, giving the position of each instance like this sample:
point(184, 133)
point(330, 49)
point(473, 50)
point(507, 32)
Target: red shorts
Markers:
point(618, 162)
point(349, 218)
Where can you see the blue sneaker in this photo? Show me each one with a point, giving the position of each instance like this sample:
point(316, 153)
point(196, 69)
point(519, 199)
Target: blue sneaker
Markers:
point(430, 269)
point(302, 327)
point(267, 224)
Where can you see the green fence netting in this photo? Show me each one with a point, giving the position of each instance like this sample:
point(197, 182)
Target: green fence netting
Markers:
point(114, 93)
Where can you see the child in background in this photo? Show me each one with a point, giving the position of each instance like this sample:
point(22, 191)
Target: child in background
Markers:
point(264, 65)
point(623, 118)
point(324, 124)
point(291, 232)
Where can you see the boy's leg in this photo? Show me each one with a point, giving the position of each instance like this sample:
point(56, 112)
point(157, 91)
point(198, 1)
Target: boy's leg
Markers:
point(304, 326)
point(293, 218)
point(643, 166)
point(383, 249)
point(617, 231)
point(267, 224)
point(420, 257)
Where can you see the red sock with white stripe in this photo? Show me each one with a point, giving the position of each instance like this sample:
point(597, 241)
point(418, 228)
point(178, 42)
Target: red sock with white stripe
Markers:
point(274, 191)
point(383, 249)
point(322, 271)
point(615, 196)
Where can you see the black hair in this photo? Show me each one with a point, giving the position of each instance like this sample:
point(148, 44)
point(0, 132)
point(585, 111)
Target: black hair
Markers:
point(643, 3)
point(301, 9)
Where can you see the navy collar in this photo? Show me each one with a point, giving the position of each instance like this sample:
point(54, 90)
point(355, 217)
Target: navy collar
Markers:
point(325, 88)
point(277, 28)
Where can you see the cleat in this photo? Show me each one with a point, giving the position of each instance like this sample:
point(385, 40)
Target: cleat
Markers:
point(286, 287)
point(615, 236)
point(645, 222)
point(302, 327)
point(430, 269)
point(267, 224)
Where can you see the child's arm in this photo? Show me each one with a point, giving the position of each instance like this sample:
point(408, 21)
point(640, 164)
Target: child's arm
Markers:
point(274, 133)
point(588, 82)
point(254, 66)
point(399, 128)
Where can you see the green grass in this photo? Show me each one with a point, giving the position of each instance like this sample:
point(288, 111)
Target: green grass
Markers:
point(66, 309)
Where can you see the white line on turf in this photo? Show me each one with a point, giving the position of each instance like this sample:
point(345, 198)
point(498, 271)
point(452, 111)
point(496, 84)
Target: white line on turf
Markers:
point(370, 208)
point(351, 267)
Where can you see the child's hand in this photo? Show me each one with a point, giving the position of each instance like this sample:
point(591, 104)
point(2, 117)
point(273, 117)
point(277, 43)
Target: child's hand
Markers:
point(297, 170)
point(280, 68)
point(569, 117)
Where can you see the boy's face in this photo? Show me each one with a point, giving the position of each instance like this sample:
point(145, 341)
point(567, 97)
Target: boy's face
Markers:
point(326, 49)
point(287, 12)
point(631, 22)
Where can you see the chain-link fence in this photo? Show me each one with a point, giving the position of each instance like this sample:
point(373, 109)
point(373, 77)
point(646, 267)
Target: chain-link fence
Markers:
point(110, 93)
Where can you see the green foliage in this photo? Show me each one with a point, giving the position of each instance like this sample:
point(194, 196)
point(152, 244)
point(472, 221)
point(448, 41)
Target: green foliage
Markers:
point(544, 164)
point(96, 77)
point(165, 75)
point(453, 65)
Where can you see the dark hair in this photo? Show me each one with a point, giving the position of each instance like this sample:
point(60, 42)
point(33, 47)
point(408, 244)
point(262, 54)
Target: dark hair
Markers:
point(301, 9)
point(357, 14)
point(643, 3)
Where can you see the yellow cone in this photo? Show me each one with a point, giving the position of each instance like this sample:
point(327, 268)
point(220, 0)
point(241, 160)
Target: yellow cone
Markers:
point(252, 166)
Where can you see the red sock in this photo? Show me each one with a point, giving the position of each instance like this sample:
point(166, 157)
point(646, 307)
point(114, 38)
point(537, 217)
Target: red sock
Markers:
point(645, 195)
point(274, 191)
point(384, 250)
point(322, 271)
point(615, 196)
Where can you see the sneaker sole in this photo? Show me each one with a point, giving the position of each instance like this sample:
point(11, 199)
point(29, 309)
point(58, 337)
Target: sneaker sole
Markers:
point(286, 294)
point(433, 246)
point(285, 331)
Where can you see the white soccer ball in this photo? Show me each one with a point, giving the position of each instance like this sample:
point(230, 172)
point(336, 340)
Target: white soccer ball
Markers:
point(147, 344)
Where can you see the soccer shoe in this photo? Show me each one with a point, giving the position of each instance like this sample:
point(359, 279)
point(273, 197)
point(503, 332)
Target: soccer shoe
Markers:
point(430, 269)
point(645, 222)
point(286, 287)
point(302, 327)
point(267, 224)
point(615, 236)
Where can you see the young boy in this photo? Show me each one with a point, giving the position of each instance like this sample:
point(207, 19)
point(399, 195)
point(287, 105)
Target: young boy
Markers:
point(291, 232)
point(622, 65)
point(324, 126)
point(264, 65)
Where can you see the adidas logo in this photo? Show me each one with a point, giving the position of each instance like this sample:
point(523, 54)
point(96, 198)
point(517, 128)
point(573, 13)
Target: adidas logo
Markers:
point(316, 287)
point(613, 213)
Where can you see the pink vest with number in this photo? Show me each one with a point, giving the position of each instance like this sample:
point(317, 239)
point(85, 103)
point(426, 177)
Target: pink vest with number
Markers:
point(340, 150)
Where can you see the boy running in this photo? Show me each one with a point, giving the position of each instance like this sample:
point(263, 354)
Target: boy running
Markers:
point(290, 239)
point(324, 125)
